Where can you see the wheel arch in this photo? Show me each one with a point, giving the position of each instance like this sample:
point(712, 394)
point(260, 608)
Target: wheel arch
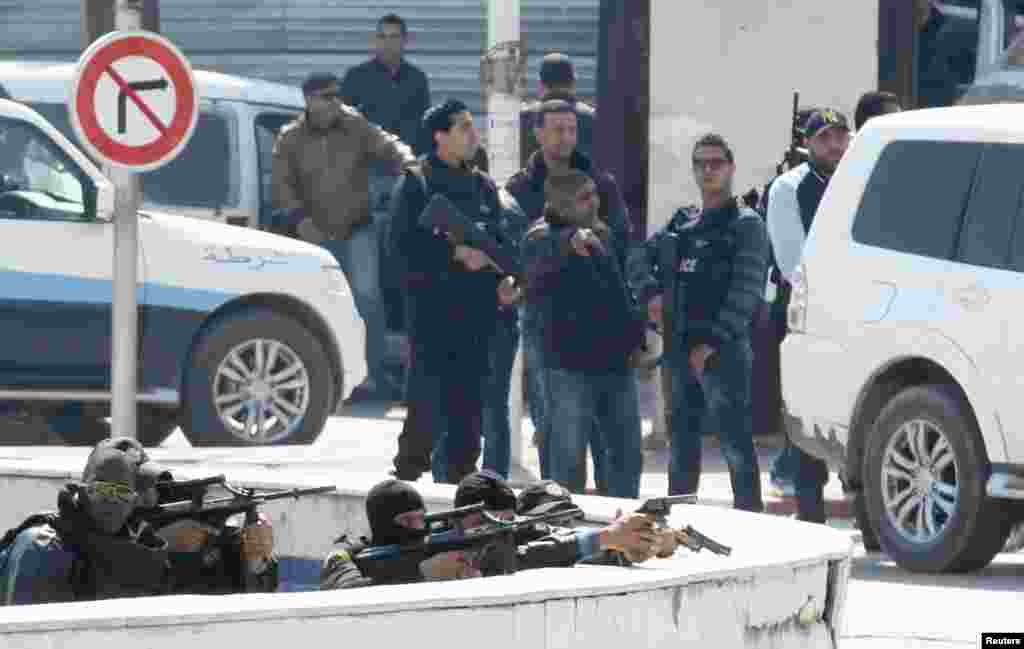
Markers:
point(888, 381)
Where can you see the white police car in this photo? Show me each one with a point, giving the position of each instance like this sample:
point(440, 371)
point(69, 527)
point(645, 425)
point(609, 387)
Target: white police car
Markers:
point(244, 337)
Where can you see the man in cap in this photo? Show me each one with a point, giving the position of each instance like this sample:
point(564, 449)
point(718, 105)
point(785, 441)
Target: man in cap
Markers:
point(453, 295)
point(792, 203)
point(557, 81)
point(320, 182)
point(559, 546)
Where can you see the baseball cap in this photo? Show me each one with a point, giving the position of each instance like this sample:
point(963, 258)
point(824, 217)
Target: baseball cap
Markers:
point(824, 119)
point(487, 487)
point(543, 497)
point(556, 68)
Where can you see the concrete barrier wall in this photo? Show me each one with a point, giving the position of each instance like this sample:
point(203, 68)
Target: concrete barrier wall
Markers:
point(784, 585)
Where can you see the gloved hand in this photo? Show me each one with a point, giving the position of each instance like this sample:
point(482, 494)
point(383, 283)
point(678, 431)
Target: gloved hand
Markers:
point(447, 566)
point(186, 535)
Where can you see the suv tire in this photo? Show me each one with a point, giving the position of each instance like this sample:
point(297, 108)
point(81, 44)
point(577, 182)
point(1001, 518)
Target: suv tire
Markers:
point(931, 452)
point(289, 401)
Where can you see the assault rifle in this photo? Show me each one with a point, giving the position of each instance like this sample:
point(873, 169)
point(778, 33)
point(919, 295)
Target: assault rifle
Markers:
point(170, 491)
point(216, 512)
point(441, 214)
point(495, 541)
point(796, 154)
point(660, 508)
point(446, 519)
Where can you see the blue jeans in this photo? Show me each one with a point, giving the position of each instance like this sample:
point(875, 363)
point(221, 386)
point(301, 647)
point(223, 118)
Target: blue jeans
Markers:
point(537, 400)
point(612, 399)
point(724, 395)
point(358, 258)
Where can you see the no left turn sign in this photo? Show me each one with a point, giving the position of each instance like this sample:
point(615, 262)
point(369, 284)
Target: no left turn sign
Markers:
point(133, 100)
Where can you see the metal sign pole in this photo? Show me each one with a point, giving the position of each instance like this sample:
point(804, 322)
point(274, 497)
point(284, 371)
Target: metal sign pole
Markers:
point(127, 16)
point(503, 76)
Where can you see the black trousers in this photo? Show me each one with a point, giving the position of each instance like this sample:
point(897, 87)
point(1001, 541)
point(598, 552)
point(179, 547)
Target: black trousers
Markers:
point(444, 395)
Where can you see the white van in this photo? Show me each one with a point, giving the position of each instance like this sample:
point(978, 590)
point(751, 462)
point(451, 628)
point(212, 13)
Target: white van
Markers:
point(223, 173)
point(245, 337)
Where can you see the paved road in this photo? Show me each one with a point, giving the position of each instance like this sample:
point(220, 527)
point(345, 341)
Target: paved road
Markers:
point(887, 607)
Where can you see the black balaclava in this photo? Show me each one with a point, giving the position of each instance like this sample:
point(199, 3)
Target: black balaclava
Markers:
point(387, 500)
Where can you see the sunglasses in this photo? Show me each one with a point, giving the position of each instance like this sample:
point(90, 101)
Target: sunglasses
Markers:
point(714, 164)
point(111, 491)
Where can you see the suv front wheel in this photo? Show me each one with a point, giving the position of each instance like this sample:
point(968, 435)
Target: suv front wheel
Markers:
point(925, 471)
point(257, 377)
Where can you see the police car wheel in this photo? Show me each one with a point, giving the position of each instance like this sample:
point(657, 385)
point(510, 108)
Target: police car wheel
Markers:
point(257, 377)
point(925, 472)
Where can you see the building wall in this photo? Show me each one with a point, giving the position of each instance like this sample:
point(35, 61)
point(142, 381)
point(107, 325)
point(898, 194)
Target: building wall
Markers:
point(284, 40)
point(732, 67)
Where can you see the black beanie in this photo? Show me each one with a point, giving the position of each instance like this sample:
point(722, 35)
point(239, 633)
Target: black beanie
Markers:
point(387, 500)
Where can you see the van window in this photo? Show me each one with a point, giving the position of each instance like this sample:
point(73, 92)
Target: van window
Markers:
point(992, 213)
point(199, 177)
point(267, 127)
point(916, 196)
point(201, 174)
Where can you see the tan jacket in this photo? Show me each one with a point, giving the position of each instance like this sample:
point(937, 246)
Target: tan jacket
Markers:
point(327, 173)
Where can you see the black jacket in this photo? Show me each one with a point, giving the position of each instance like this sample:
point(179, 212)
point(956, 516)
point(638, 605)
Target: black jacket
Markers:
point(395, 103)
point(588, 318)
point(449, 305)
point(720, 261)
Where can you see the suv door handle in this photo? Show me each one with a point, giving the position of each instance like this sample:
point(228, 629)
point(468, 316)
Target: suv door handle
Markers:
point(972, 297)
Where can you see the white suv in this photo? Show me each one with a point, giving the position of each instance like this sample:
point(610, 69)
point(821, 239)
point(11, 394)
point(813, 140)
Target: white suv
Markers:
point(244, 337)
point(903, 366)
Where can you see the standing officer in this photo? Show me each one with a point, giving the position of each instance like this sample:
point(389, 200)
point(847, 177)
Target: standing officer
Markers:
point(792, 203)
point(453, 297)
point(704, 276)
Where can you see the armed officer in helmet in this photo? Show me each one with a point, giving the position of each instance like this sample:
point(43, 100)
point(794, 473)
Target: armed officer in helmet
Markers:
point(93, 547)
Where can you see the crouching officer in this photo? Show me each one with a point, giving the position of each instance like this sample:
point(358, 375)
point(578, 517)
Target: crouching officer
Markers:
point(702, 277)
point(396, 513)
point(94, 547)
point(87, 550)
point(542, 545)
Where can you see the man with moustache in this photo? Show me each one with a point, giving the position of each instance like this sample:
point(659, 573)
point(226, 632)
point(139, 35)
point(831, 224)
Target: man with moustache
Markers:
point(320, 179)
point(702, 279)
point(589, 330)
point(453, 295)
point(792, 203)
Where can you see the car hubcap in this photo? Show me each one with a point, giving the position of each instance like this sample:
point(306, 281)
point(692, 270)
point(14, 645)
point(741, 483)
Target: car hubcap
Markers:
point(261, 391)
point(919, 481)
